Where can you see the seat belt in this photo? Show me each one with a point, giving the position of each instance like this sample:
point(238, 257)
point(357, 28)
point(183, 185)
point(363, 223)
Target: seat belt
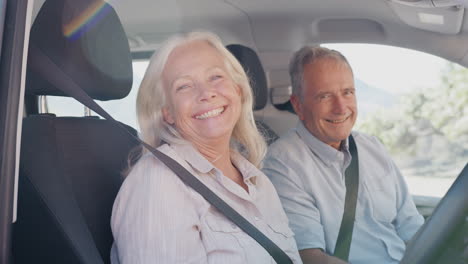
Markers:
point(343, 243)
point(41, 64)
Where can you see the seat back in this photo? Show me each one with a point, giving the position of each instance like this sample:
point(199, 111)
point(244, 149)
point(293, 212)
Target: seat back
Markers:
point(71, 167)
point(252, 65)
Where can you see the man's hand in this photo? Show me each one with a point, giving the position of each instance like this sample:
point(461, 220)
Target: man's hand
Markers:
point(317, 256)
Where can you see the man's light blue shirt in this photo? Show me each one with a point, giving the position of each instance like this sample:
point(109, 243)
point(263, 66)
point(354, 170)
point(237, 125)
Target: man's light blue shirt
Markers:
point(309, 177)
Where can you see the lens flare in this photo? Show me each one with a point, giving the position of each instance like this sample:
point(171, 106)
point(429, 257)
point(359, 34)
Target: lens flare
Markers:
point(84, 21)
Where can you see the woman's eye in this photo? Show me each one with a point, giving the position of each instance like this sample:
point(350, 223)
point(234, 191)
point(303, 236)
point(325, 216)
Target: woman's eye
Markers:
point(182, 87)
point(216, 77)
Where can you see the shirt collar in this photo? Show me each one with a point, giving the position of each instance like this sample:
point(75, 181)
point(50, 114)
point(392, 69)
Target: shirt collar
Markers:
point(199, 163)
point(196, 160)
point(324, 152)
point(248, 170)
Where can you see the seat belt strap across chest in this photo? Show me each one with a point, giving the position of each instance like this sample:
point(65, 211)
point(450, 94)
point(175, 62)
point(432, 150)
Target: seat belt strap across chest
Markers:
point(343, 243)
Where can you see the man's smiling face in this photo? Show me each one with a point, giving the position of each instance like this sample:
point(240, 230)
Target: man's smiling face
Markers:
point(327, 105)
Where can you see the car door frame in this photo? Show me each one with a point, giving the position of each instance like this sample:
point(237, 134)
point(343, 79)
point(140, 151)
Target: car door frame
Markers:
point(15, 24)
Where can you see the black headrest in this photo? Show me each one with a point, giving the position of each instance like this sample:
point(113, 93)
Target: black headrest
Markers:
point(86, 40)
point(249, 59)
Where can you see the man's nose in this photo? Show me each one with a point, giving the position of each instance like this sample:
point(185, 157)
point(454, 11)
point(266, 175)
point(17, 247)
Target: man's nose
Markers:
point(339, 105)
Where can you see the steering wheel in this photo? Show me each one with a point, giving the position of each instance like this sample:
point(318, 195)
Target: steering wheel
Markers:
point(449, 215)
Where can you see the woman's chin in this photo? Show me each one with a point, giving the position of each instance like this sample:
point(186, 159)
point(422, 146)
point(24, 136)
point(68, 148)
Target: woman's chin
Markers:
point(214, 135)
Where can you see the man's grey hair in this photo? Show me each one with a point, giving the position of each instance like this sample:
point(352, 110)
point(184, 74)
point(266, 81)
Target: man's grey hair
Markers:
point(308, 55)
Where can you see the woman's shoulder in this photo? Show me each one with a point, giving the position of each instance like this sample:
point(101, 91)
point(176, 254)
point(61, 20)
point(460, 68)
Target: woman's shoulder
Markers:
point(149, 177)
point(148, 163)
point(151, 193)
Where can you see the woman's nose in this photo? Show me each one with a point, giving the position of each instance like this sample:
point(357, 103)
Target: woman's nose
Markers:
point(206, 92)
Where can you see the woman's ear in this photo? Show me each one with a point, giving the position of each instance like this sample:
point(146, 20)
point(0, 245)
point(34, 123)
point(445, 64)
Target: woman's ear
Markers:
point(167, 116)
point(238, 90)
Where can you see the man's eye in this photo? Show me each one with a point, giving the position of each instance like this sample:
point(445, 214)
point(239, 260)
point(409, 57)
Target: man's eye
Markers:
point(349, 92)
point(324, 96)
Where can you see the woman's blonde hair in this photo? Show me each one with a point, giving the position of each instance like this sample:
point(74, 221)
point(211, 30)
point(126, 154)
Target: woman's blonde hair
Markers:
point(151, 99)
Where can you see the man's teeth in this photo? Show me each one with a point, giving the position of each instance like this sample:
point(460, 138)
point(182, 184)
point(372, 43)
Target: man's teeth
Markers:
point(337, 121)
point(211, 113)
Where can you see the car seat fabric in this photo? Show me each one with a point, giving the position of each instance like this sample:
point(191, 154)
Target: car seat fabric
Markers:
point(250, 61)
point(70, 174)
point(96, 56)
point(71, 167)
point(286, 106)
point(252, 65)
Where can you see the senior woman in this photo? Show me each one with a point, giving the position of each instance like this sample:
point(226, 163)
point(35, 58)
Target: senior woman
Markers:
point(195, 105)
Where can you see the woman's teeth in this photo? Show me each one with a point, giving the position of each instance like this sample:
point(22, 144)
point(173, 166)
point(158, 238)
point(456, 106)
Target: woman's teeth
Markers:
point(212, 113)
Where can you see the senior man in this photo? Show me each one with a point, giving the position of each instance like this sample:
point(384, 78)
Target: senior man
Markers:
point(308, 167)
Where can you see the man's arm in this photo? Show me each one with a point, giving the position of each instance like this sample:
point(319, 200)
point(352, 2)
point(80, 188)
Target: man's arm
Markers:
point(299, 205)
point(408, 219)
point(317, 256)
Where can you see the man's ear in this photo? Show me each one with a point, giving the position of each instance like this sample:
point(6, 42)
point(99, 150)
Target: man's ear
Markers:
point(297, 105)
point(167, 116)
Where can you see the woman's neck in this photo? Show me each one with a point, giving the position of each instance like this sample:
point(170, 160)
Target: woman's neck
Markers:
point(216, 153)
point(220, 156)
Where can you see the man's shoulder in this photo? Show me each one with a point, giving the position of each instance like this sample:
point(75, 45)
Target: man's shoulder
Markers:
point(373, 151)
point(359, 135)
point(367, 141)
point(285, 144)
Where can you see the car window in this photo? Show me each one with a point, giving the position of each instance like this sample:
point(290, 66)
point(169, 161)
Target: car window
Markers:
point(122, 110)
point(416, 104)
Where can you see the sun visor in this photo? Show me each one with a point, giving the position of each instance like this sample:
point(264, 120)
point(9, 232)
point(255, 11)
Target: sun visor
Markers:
point(442, 16)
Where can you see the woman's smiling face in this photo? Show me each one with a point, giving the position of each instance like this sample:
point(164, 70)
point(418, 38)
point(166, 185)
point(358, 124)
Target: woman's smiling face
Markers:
point(203, 102)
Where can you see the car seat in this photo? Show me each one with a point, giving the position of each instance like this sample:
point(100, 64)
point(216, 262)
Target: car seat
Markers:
point(70, 167)
point(250, 61)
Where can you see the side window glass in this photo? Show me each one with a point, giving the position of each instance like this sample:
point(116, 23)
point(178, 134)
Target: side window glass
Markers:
point(123, 110)
point(417, 105)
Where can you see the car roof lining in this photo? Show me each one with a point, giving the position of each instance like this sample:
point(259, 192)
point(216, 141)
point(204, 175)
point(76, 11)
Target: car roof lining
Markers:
point(280, 26)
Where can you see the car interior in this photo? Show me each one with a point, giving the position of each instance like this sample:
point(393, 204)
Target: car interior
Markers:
point(71, 203)
point(71, 167)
